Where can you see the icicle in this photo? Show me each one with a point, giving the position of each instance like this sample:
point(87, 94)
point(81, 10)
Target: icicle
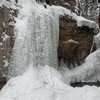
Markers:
point(92, 46)
point(97, 40)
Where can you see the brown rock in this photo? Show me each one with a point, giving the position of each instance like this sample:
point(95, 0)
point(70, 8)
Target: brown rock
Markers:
point(77, 51)
point(6, 37)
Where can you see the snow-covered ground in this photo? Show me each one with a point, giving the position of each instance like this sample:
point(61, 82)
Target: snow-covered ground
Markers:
point(45, 83)
point(34, 58)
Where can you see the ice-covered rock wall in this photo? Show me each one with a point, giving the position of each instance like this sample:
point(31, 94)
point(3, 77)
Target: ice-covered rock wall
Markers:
point(37, 35)
point(7, 14)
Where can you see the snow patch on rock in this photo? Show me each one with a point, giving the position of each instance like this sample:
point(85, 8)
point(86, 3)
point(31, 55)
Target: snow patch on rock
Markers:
point(81, 21)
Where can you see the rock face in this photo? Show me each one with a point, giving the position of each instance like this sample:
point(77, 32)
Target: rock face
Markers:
point(69, 4)
point(75, 42)
point(6, 39)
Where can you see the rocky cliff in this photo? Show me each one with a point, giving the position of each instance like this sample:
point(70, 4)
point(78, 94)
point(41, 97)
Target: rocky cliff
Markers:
point(6, 39)
point(75, 43)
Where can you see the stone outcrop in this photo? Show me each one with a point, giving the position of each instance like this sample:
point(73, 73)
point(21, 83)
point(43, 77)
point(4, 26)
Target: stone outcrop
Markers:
point(6, 39)
point(75, 43)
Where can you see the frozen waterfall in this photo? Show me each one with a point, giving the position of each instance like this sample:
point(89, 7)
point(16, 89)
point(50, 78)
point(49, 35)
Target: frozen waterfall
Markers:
point(35, 39)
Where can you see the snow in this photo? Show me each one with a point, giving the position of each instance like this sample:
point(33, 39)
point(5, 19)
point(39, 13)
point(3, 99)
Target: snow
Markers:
point(71, 41)
point(8, 4)
point(87, 72)
point(1, 44)
point(6, 63)
point(81, 21)
point(35, 84)
point(45, 83)
point(85, 93)
point(4, 36)
point(32, 72)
